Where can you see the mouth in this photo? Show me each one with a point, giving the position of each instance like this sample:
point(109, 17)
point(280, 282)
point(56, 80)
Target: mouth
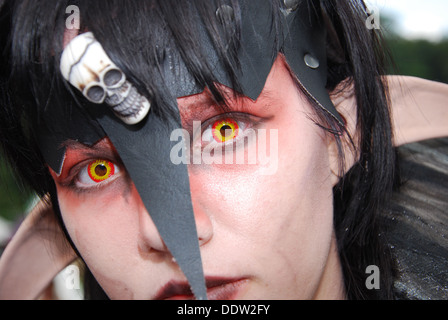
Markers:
point(217, 289)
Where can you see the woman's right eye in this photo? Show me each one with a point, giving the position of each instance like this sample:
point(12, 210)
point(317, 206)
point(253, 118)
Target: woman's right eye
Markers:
point(222, 130)
point(97, 172)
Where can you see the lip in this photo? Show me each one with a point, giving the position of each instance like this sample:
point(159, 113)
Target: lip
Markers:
point(217, 289)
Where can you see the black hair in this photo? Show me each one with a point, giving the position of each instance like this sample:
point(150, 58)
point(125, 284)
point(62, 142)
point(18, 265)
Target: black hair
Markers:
point(32, 33)
point(362, 193)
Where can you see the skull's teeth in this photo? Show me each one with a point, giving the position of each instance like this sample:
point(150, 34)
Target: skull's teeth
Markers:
point(131, 106)
point(123, 107)
point(119, 95)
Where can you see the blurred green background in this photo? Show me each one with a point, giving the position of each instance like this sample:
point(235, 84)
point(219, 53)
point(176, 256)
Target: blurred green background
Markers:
point(14, 198)
point(417, 57)
point(421, 58)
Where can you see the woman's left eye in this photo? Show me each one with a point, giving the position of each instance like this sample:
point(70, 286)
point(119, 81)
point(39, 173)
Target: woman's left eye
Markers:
point(96, 172)
point(223, 130)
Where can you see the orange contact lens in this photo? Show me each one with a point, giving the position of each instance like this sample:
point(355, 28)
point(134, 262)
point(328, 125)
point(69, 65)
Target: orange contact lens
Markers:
point(225, 130)
point(100, 170)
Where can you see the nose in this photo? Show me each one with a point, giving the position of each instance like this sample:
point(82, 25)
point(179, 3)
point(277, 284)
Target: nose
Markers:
point(204, 225)
point(202, 211)
point(150, 237)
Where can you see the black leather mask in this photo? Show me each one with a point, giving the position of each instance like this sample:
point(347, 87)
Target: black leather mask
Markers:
point(145, 147)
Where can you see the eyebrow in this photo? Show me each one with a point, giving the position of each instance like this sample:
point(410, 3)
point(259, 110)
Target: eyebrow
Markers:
point(197, 107)
point(268, 95)
point(102, 148)
point(205, 100)
point(197, 104)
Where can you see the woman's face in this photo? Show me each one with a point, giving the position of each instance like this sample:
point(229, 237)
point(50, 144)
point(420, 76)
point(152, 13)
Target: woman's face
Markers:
point(264, 228)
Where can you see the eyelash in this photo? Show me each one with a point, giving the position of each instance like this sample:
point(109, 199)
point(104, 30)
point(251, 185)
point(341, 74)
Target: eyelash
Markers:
point(212, 129)
point(81, 180)
point(87, 175)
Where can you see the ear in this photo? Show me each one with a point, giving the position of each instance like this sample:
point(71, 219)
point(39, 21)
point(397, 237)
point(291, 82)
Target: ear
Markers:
point(344, 99)
point(35, 255)
point(419, 109)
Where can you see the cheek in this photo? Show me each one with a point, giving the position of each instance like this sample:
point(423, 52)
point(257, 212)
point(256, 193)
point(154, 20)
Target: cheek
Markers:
point(281, 223)
point(248, 199)
point(104, 229)
point(300, 178)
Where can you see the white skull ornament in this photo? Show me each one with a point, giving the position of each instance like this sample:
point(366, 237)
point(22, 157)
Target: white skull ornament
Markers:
point(85, 64)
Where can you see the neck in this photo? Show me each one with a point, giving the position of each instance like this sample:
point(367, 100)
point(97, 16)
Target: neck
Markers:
point(332, 286)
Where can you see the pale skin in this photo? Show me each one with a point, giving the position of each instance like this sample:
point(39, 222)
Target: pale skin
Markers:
point(249, 236)
point(299, 221)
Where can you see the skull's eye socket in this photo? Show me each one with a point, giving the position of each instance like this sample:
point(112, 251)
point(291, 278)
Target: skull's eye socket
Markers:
point(113, 77)
point(96, 94)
